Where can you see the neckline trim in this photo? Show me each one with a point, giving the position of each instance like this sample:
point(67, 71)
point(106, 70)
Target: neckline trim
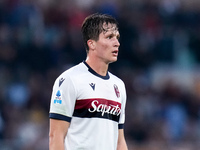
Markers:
point(95, 73)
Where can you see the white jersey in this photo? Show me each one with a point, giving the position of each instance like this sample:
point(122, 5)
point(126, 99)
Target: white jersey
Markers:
point(93, 104)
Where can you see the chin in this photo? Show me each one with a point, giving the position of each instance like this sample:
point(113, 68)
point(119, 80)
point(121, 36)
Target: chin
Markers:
point(114, 60)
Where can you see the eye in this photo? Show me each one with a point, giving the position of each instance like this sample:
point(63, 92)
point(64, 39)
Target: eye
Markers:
point(109, 37)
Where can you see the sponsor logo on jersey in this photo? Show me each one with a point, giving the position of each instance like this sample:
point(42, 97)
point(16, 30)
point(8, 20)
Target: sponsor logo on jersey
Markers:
point(61, 81)
point(116, 90)
point(104, 108)
point(58, 99)
point(98, 108)
point(92, 85)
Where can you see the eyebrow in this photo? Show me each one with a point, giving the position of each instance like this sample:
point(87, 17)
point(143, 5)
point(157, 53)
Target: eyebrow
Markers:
point(113, 33)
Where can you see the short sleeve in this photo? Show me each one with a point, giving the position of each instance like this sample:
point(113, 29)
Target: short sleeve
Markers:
point(63, 99)
point(123, 105)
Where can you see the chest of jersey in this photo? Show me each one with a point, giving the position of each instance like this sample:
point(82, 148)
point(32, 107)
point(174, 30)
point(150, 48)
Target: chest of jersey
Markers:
point(98, 98)
point(98, 88)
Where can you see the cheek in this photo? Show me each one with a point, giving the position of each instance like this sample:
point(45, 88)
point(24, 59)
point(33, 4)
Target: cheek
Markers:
point(104, 47)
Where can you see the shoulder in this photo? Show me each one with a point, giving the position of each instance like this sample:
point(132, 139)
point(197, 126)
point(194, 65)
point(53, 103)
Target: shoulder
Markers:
point(73, 71)
point(114, 77)
point(70, 74)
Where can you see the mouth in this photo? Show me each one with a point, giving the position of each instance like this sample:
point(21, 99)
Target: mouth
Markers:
point(115, 52)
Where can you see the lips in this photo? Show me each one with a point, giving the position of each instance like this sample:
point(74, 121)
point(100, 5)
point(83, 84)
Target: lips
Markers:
point(115, 52)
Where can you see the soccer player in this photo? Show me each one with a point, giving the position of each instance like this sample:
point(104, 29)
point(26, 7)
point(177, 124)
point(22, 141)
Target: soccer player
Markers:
point(87, 110)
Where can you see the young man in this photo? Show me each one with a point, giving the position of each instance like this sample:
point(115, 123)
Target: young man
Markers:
point(87, 109)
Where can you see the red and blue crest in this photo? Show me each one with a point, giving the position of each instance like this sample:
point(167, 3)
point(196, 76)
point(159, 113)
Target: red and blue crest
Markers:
point(116, 90)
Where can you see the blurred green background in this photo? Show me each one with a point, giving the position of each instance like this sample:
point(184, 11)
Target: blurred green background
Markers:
point(158, 61)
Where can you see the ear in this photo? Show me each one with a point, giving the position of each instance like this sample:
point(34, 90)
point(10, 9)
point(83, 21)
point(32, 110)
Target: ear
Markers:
point(91, 44)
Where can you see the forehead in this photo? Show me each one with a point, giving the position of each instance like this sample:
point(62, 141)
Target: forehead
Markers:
point(108, 27)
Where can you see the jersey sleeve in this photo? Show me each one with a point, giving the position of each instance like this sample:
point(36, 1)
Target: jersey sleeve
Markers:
point(123, 105)
point(63, 99)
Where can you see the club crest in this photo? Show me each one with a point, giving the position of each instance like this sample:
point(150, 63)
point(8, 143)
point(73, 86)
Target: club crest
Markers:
point(116, 90)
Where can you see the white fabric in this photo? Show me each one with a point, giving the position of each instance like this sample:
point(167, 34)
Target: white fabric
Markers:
point(92, 126)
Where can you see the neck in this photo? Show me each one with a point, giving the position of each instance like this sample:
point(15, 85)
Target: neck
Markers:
point(98, 66)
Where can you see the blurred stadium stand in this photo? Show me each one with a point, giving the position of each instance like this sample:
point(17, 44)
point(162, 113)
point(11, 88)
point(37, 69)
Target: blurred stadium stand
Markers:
point(159, 62)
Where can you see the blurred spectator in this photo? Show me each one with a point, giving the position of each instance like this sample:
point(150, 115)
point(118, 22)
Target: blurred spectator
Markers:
point(159, 63)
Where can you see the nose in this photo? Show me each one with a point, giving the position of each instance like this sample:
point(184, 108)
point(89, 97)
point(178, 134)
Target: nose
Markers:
point(117, 44)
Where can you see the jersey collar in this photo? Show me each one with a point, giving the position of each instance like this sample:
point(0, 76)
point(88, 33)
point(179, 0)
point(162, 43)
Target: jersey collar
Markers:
point(96, 74)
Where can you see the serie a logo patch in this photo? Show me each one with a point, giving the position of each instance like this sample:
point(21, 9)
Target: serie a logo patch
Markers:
point(58, 98)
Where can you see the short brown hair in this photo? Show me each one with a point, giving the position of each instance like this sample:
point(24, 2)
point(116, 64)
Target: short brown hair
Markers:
point(93, 25)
